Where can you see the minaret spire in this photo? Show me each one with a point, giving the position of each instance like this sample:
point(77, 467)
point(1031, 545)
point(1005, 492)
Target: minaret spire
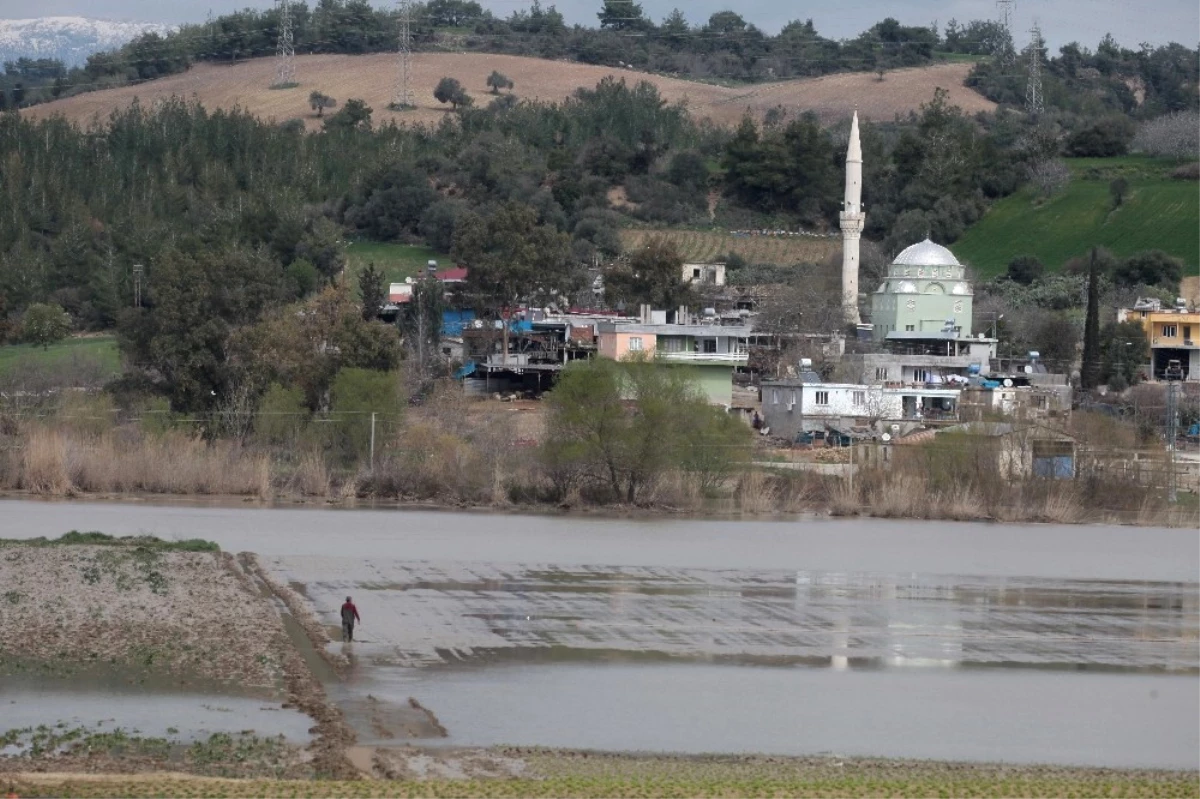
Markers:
point(852, 220)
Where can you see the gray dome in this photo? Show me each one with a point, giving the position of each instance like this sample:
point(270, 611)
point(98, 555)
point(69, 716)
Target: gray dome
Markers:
point(926, 253)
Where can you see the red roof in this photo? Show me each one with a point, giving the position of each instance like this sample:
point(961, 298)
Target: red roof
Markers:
point(456, 274)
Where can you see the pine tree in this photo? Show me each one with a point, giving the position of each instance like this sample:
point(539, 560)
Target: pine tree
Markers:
point(1089, 375)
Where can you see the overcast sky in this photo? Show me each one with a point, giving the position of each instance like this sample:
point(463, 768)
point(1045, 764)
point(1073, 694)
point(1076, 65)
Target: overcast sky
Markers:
point(1086, 21)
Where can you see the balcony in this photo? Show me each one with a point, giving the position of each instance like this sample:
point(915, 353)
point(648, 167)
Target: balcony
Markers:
point(702, 358)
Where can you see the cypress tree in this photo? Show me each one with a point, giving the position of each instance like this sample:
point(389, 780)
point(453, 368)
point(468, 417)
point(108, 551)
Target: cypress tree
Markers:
point(1089, 374)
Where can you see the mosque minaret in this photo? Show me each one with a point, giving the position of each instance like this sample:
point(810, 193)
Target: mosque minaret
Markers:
point(852, 221)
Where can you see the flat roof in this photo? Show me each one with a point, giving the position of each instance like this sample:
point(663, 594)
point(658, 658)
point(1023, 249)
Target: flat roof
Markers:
point(675, 329)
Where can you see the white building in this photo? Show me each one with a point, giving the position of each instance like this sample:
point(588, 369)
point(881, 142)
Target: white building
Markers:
point(704, 274)
point(794, 406)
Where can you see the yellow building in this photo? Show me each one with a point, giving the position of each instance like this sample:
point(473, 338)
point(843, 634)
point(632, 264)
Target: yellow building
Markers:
point(1173, 334)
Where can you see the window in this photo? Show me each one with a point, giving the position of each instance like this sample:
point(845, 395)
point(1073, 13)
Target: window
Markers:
point(695, 274)
point(1169, 331)
point(635, 343)
point(793, 402)
point(910, 328)
point(774, 396)
point(710, 345)
point(1187, 331)
point(822, 397)
point(671, 344)
point(881, 373)
point(860, 398)
point(920, 375)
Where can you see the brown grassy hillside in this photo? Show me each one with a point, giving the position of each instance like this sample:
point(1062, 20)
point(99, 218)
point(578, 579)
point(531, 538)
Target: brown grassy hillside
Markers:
point(371, 78)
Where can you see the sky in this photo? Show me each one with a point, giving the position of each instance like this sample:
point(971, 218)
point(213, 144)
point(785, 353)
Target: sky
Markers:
point(1085, 21)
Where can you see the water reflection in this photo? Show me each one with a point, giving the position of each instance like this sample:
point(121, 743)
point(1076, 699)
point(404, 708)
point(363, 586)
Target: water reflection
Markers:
point(838, 619)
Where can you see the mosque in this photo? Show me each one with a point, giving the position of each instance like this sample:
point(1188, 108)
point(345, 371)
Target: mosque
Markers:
point(925, 297)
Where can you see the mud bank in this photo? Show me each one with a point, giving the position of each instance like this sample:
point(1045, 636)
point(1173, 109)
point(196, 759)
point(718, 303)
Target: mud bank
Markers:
point(144, 613)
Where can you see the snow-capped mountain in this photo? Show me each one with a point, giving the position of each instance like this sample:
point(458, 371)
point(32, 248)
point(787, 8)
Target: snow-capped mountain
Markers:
point(69, 39)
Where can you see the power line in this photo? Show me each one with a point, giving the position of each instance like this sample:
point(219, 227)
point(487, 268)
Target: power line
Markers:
point(285, 55)
point(1034, 102)
point(1004, 47)
point(402, 97)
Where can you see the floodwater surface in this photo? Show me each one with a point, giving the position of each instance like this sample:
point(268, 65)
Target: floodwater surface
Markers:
point(105, 705)
point(842, 545)
point(1037, 643)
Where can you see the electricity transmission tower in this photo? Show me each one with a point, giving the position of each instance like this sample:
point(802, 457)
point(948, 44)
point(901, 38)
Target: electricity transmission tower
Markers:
point(402, 96)
point(1004, 48)
point(285, 51)
point(1034, 102)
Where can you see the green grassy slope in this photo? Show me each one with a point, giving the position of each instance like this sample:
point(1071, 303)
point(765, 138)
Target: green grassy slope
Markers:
point(396, 261)
point(1158, 213)
point(100, 349)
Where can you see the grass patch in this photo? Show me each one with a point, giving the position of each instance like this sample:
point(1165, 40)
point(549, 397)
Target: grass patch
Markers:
point(396, 261)
point(144, 542)
point(100, 349)
point(1158, 213)
point(707, 246)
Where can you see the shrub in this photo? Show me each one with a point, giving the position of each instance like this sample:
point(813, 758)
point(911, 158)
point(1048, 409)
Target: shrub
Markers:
point(1102, 139)
point(1187, 171)
point(1025, 269)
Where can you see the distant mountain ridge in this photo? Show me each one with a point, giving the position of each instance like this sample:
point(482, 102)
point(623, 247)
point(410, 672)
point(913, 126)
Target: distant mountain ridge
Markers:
point(68, 39)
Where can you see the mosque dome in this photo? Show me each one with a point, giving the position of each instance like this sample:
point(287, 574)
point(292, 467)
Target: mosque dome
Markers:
point(926, 253)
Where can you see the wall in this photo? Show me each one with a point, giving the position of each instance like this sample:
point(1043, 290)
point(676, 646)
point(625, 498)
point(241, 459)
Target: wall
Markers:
point(616, 345)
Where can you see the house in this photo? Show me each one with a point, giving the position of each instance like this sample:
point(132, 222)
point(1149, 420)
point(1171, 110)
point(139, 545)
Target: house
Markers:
point(707, 274)
point(795, 406)
point(1011, 451)
point(1173, 334)
point(711, 351)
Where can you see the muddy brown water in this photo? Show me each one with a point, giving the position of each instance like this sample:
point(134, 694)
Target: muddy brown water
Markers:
point(1040, 643)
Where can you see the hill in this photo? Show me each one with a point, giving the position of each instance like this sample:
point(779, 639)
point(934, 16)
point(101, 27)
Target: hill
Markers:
point(703, 246)
point(1158, 213)
point(372, 78)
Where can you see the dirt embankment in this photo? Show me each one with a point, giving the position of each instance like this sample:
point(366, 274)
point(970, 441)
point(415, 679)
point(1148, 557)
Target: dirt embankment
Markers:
point(140, 608)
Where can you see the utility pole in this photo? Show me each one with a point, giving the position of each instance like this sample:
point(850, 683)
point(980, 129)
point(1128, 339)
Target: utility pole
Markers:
point(1172, 437)
point(138, 271)
point(1034, 102)
point(285, 50)
point(402, 96)
point(372, 441)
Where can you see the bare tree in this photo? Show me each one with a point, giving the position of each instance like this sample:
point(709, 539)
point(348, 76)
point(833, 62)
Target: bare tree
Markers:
point(1049, 175)
point(1174, 135)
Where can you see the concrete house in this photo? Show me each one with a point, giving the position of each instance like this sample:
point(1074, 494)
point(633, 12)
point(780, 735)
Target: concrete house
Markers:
point(804, 405)
point(1174, 336)
point(711, 351)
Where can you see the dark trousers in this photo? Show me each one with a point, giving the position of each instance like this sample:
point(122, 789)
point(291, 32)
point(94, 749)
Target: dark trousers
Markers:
point(347, 630)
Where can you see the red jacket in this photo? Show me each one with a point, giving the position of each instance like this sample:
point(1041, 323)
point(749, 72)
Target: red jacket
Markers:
point(348, 610)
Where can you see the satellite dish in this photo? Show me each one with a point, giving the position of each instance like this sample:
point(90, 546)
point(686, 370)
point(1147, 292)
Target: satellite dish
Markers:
point(1028, 369)
point(895, 428)
point(1008, 382)
point(887, 437)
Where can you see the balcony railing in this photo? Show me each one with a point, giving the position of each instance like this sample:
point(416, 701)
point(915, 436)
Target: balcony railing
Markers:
point(733, 358)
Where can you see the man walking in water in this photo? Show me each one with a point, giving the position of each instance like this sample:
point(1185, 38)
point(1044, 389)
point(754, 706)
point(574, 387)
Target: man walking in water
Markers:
point(349, 617)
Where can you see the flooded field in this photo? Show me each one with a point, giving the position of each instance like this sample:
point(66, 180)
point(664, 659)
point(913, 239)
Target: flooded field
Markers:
point(1054, 644)
point(155, 710)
